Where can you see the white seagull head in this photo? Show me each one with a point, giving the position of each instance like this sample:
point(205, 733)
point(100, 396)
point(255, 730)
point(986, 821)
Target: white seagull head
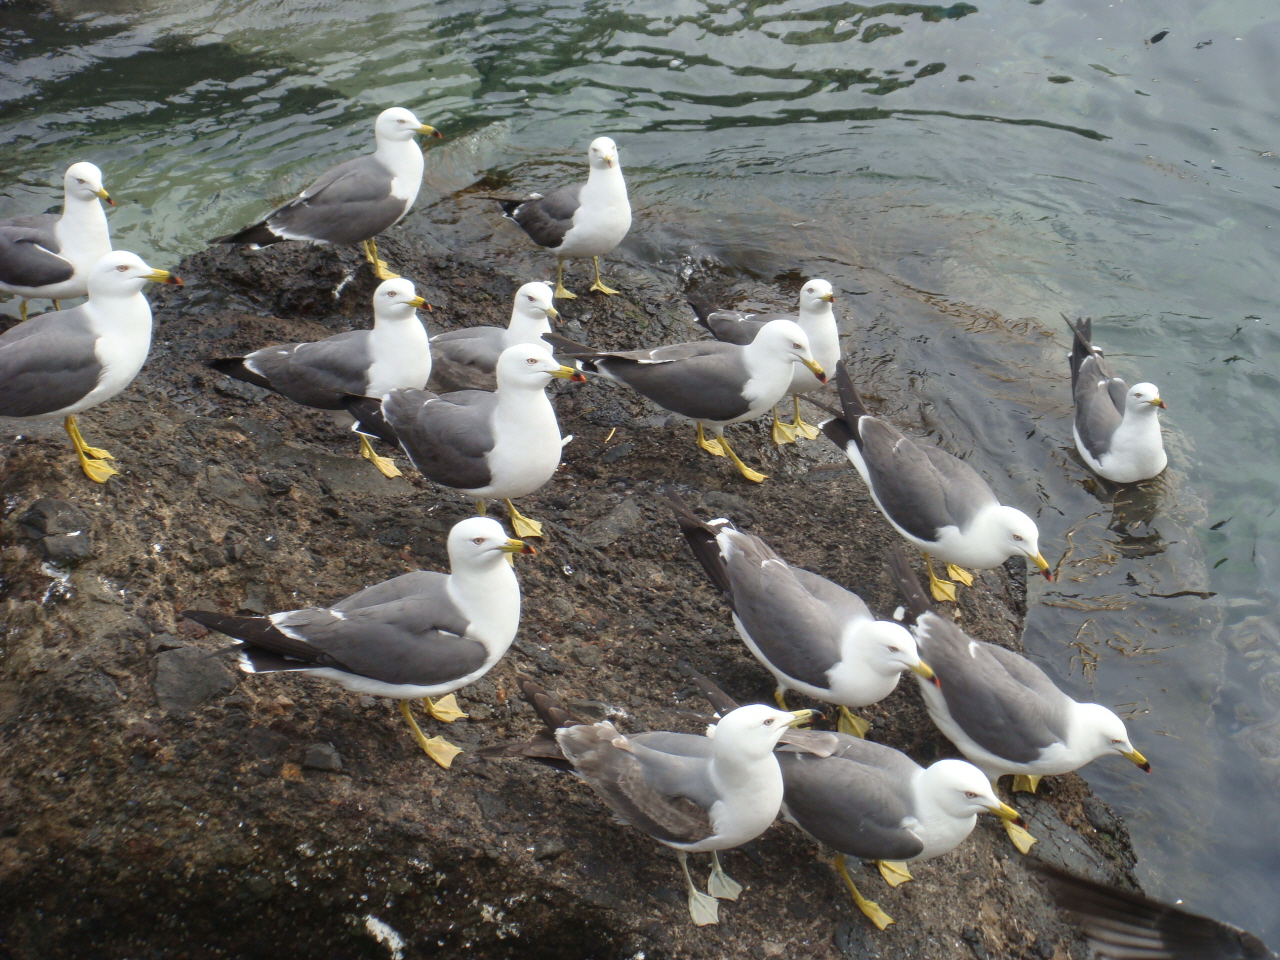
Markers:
point(533, 306)
point(396, 124)
point(962, 790)
point(530, 366)
point(785, 338)
point(603, 153)
point(1144, 398)
point(816, 296)
point(1106, 734)
point(1018, 534)
point(891, 648)
point(396, 300)
point(124, 274)
point(480, 542)
point(83, 181)
point(751, 732)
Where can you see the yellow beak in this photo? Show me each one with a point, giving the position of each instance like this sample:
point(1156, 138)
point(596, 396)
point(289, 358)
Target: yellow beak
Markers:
point(830, 298)
point(568, 373)
point(1006, 812)
point(553, 313)
point(802, 716)
point(609, 161)
point(1040, 562)
point(923, 670)
point(418, 302)
point(162, 276)
point(430, 131)
point(103, 195)
point(515, 546)
point(1137, 758)
point(816, 369)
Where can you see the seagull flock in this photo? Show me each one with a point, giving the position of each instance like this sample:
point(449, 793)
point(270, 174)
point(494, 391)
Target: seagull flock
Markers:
point(470, 411)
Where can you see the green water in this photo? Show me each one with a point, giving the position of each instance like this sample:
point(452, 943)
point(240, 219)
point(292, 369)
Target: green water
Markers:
point(964, 174)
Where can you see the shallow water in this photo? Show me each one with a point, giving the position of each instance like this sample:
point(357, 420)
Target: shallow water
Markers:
point(964, 174)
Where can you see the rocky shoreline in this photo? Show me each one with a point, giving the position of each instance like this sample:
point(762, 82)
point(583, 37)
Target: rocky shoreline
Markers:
point(155, 804)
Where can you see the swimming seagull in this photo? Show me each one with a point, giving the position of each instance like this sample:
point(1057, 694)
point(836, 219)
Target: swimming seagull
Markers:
point(936, 501)
point(584, 220)
point(395, 353)
point(419, 635)
point(816, 319)
point(692, 793)
point(814, 636)
point(1117, 427)
point(499, 445)
point(60, 364)
point(356, 200)
point(49, 255)
point(1125, 925)
point(1001, 710)
point(465, 359)
point(714, 383)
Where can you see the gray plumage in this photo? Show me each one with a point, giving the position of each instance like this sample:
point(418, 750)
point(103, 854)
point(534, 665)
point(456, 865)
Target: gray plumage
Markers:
point(466, 359)
point(546, 219)
point(1098, 393)
point(317, 375)
point(29, 251)
point(447, 438)
point(48, 363)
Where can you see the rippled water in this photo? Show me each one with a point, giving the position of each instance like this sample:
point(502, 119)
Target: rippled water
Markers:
point(964, 174)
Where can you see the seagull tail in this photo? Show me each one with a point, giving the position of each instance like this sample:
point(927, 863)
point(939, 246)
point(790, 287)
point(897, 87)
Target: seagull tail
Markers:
point(1081, 343)
point(235, 368)
point(839, 429)
point(549, 709)
point(543, 746)
point(264, 646)
point(701, 537)
point(905, 579)
point(702, 307)
point(369, 418)
point(258, 233)
point(719, 700)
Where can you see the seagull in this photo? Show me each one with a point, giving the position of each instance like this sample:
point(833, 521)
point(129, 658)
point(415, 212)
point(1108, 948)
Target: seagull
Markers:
point(499, 445)
point(1124, 925)
point(713, 383)
point(1117, 427)
point(356, 200)
point(816, 319)
point(422, 634)
point(1001, 710)
point(49, 255)
point(584, 220)
point(695, 794)
point(465, 359)
point(813, 635)
point(62, 363)
point(934, 500)
point(395, 353)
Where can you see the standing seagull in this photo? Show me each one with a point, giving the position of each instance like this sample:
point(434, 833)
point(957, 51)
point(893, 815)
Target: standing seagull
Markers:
point(816, 319)
point(422, 634)
point(356, 200)
point(692, 793)
point(498, 445)
point(1117, 428)
point(60, 364)
point(714, 383)
point(367, 363)
point(813, 635)
point(999, 708)
point(466, 359)
point(936, 501)
point(49, 255)
point(584, 220)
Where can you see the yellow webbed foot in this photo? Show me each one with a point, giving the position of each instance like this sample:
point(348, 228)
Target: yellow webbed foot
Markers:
point(720, 885)
point(942, 590)
point(783, 433)
point(599, 287)
point(382, 273)
point(851, 725)
point(1026, 782)
point(441, 751)
point(747, 472)
point(894, 872)
point(445, 709)
point(522, 525)
point(870, 909)
point(385, 465)
point(562, 293)
point(710, 444)
point(96, 453)
point(1021, 839)
point(806, 430)
point(97, 470)
point(960, 574)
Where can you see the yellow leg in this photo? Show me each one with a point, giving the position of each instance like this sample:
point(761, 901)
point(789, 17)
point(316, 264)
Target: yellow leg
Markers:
point(851, 725)
point(92, 460)
point(720, 885)
point(782, 432)
point(599, 286)
point(522, 525)
point(1021, 839)
point(22, 310)
point(445, 709)
point(712, 445)
point(941, 589)
point(869, 908)
point(799, 427)
point(480, 508)
point(560, 290)
point(386, 466)
point(437, 748)
point(894, 872)
point(780, 698)
point(379, 266)
point(57, 305)
point(1026, 782)
point(742, 467)
point(960, 574)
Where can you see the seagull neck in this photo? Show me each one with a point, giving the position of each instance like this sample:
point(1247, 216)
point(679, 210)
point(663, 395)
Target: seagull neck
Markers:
point(83, 230)
point(524, 405)
point(526, 329)
point(733, 769)
point(768, 372)
point(488, 595)
point(605, 186)
point(938, 829)
point(404, 159)
point(816, 318)
point(127, 314)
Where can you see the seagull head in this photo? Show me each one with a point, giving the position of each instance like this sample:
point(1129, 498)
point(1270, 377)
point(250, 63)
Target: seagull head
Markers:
point(751, 732)
point(123, 274)
point(398, 124)
point(816, 296)
point(1108, 734)
point(962, 790)
point(83, 181)
point(532, 311)
point(480, 542)
point(1020, 536)
point(531, 366)
point(892, 649)
point(1144, 398)
point(603, 153)
point(785, 338)
point(396, 300)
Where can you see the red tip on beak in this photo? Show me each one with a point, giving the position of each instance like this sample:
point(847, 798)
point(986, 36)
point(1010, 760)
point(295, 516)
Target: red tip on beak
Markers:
point(1145, 768)
point(110, 202)
point(1047, 574)
point(935, 681)
point(528, 549)
point(174, 281)
point(578, 377)
point(1019, 823)
point(1163, 406)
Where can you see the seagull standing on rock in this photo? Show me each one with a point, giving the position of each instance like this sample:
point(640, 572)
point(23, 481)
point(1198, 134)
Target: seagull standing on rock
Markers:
point(466, 359)
point(583, 220)
point(49, 255)
point(356, 200)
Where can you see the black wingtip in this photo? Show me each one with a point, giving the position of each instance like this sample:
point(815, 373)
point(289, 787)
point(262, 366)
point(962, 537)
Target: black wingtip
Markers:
point(546, 705)
point(719, 700)
point(850, 400)
point(570, 348)
point(913, 595)
point(704, 546)
point(370, 420)
point(702, 306)
point(234, 367)
point(258, 233)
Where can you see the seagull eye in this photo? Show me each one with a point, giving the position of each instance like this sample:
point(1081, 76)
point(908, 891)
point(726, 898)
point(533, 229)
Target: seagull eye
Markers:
point(769, 722)
point(78, 180)
point(894, 650)
point(971, 795)
point(531, 361)
point(529, 298)
point(123, 268)
point(1116, 743)
point(1018, 538)
point(797, 346)
point(477, 540)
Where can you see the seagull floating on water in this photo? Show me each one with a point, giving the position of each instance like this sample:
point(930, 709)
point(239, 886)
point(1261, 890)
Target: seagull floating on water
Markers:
point(49, 255)
point(466, 359)
point(354, 201)
point(395, 353)
point(816, 319)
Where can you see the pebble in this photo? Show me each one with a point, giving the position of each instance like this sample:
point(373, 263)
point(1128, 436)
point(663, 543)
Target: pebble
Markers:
point(60, 530)
point(322, 756)
point(188, 676)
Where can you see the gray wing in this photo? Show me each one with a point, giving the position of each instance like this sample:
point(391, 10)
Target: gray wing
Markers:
point(963, 488)
point(47, 363)
point(1003, 701)
point(732, 326)
point(1100, 402)
point(547, 219)
point(29, 252)
point(317, 374)
point(346, 204)
point(466, 359)
point(614, 768)
point(702, 381)
point(426, 584)
point(853, 807)
point(445, 437)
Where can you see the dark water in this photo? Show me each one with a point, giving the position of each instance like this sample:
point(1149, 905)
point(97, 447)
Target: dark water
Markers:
point(964, 174)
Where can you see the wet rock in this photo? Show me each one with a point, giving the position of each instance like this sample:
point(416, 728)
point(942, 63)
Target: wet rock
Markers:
point(163, 641)
point(60, 530)
point(264, 742)
point(189, 676)
point(549, 849)
point(623, 518)
point(322, 756)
